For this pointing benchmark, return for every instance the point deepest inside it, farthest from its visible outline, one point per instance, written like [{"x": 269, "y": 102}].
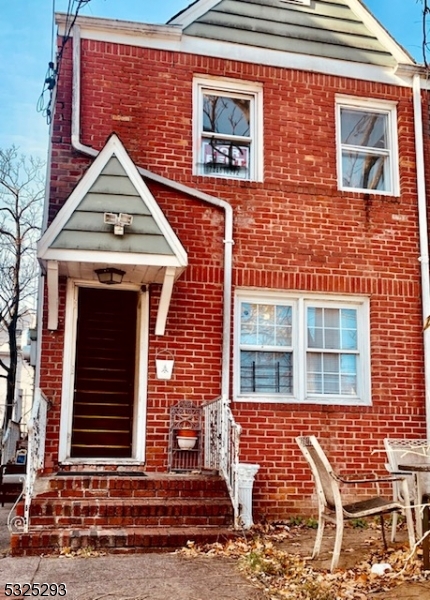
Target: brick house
[{"x": 253, "y": 173}]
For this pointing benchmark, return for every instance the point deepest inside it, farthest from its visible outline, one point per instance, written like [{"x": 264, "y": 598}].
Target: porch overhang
[
  {"x": 138, "y": 271},
  {"x": 112, "y": 220}
]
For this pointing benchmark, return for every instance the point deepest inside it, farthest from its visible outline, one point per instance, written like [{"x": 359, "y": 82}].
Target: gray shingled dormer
[{"x": 324, "y": 28}]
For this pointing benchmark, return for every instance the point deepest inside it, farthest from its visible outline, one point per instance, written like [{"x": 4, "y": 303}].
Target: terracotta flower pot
[
  {"x": 189, "y": 433},
  {"x": 187, "y": 438}
]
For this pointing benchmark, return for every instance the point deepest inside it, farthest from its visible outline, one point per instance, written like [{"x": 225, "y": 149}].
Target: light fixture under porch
[{"x": 110, "y": 276}]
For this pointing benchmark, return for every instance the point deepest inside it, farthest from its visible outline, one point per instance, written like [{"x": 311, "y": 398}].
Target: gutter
[
  {"x": 423, "y": 233},
  {"x": 179, "y": 187}
]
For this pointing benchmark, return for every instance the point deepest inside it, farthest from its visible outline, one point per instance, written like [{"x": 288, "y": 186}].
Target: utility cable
[{"x": 53, "y": 72}]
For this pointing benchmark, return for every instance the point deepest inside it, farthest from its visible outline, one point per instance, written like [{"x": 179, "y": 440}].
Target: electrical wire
[{"x": 44, "y": 102}]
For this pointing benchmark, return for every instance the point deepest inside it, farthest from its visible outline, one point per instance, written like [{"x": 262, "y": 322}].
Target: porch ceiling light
[{"x": 110, "y": 275}]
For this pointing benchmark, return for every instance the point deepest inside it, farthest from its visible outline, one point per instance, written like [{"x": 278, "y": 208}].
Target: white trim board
[{"x": 95, "y": 29}]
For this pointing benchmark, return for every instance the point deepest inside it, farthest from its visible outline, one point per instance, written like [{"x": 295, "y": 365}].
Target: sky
[{"x": 26, "y": 36}]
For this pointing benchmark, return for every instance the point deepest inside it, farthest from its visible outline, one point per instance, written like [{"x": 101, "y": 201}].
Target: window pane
[
  {"x": 284, "y": 326},
  {"x": 323, "y": 328},
  {"x": 226, "y": 115},
  {"x": 365, "y": 171},
  {"x": 332, "y": 374},
  {"x": 349, "y": 329},
  {"x": 265, "y": 325},
  {"x": 315, "y": 327},
  {"x": 225, "y": 157},
  {"x": 348, "y": 367},
  {"x": 331, "y": 339},
  {"x": 366, "y": 129},
  {"x": 266, "y": 372},
  {"x": 331, "y": 363},
  {"x": 248, "y": 323},
  {"x": 330, "y": 384}
]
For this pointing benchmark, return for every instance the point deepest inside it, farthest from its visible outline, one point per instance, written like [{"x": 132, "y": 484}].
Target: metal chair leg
[{"x": 426, "y": 541}]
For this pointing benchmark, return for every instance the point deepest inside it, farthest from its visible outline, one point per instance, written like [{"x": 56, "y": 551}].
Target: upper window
[
  {"x": 227, "y": 127},
  {"x": 367, "y": 146},
  {"x": 301, "y": 349}
]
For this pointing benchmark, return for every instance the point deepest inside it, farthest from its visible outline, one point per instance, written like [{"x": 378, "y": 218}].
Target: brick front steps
[{"x": 118, "y": 513}]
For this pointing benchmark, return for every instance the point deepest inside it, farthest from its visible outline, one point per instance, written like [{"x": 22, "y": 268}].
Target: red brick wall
[{"x": 294, "y": 231}]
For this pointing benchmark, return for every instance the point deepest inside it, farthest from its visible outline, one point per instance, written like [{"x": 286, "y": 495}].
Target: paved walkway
[
  {"x": 123, "y": 577},
  {"x": 142, "y": 577},
  {"x": 135, "y": 577}
]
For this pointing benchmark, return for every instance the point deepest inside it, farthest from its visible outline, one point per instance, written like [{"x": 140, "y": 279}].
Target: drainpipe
[
  {"x": 223, "y": 204},
  {"x": 423, "y": 233}
]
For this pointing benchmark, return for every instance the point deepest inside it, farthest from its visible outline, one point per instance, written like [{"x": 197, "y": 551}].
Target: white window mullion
[{"x": 300, "y": 344}]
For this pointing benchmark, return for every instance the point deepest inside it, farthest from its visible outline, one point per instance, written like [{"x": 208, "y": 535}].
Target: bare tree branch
[{"x": 21, "y": 196}]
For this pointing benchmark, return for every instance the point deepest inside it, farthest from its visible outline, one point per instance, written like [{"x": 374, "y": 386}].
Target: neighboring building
[
  {"x": 25, "y": 373},
  {"x": 255, "y": 170}
]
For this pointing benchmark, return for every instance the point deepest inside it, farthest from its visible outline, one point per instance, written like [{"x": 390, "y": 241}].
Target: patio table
[{"x": 425, "y": 499}]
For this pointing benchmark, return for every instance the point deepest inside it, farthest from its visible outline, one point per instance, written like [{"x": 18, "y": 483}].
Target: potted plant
[{"x": 187, "y": 438}]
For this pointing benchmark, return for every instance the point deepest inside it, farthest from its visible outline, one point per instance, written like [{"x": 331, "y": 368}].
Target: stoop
[{"x": 125, "y": 513}]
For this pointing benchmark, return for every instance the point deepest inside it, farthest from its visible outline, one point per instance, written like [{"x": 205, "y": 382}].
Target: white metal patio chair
[
  {"x": 413, "y": 452},
  {"x": 330, "y": 504}
]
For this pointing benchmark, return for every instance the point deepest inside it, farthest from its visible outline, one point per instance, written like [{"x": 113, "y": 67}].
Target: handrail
[
  {"x": 221, "y": 451},
  {"x": 35, "y": 458},
  {"x": 10, "y": 439}
]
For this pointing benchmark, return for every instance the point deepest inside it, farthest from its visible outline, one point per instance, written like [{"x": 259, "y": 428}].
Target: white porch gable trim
[
  {"x": 163, "y": 268},
  {"x": 52, "y": 277},
  {"x": 166, "y": 294}
]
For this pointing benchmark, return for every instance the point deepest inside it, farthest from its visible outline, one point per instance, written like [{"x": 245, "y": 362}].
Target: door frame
[{"x": 141, "y": 375}]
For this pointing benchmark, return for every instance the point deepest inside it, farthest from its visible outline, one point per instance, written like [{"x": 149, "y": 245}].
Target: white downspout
[
  {"x": 423, "y": 232},
  {"x": 228, "y": 211}
]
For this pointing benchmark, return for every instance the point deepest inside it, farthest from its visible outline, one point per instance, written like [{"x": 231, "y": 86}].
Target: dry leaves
[
  {"x": 86, "y": 552},
  {"x": 289, "y": 575}
]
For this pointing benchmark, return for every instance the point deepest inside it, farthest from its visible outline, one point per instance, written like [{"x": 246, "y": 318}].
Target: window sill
[{"x": 309, "y": 401}]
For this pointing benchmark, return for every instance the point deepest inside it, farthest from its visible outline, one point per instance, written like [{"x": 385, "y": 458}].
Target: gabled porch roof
[{"x": 83, "y": 236}]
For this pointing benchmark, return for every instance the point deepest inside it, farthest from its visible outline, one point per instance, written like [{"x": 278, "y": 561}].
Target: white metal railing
[
  {"x": 35, "y": 458},
  {"x": 221, "y": 451},
  {"x": 10, "y": 439}
]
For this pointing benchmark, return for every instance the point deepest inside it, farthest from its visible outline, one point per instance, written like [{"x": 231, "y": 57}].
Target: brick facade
[{"x": 294, "y": 231}]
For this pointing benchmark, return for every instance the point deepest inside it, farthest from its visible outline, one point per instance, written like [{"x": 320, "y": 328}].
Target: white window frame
[
  {"x": 233, "y": 87},
  {"x": 300, "y": 302},
  {"x": 387, "y": 108}
]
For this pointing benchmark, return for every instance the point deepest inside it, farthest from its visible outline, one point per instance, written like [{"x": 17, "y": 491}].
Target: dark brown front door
[{"x": 104, "y": 374}]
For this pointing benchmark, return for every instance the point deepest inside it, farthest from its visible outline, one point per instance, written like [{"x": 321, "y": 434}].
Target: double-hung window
[
  {"x": 227, "y": 129},
  {"x": 367, "y": 146},
  {"x": 301, "y": 348}
]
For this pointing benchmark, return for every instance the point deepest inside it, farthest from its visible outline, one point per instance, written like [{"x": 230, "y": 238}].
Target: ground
[{"x": 270, "y": 563}]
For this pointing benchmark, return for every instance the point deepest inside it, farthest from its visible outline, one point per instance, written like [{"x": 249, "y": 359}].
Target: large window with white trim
[
  {"x": 227, "y": 129},
  {"x": 367, "y": 148},
  {"x": 301, "y": 348}
]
